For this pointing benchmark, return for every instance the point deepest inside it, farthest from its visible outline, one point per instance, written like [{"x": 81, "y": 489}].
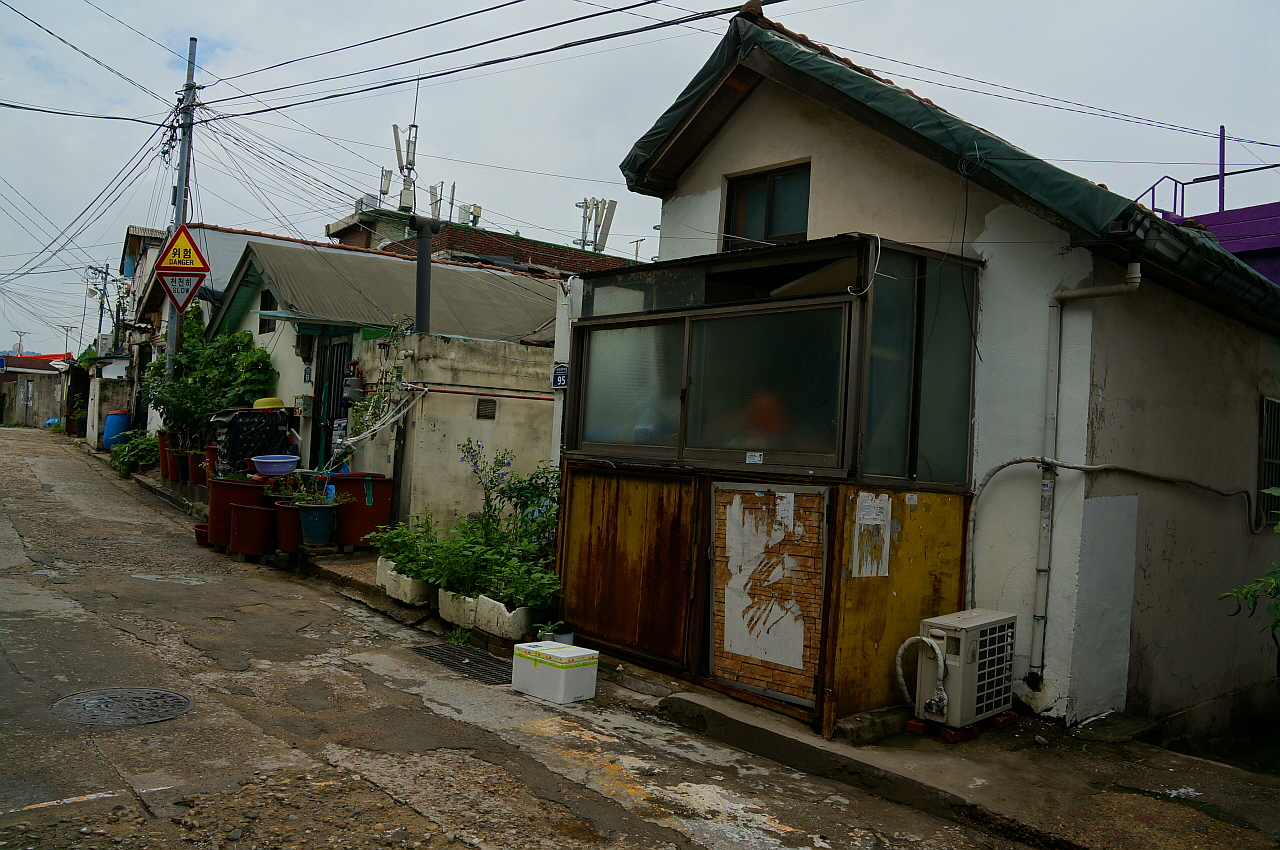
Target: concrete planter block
[
  {"x": 458, "y": 609},
  {"x": 410, "y": 591},
  {"x": 493, "y": 617}
]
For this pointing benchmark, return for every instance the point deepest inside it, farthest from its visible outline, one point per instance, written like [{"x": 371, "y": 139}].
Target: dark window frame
[
  {"x": 1268, "y": 459},
  {"x": 266, "y": 324},
  {"x": 734, "y": 186},
  {"x": 833, "y": 464}
]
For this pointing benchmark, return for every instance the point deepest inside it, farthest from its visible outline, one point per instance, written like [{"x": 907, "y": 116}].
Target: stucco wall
[
  {"x": 34, "y": 405},
  {"x": 105, "y": 395},
  {"x": 1176, "y": 391},
  {"x": 860, "y": 180},
  {"x": 459, "y": 372}
]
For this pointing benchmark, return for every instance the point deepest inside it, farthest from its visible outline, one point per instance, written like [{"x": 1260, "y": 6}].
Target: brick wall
[{"x": 777, "y": 561}]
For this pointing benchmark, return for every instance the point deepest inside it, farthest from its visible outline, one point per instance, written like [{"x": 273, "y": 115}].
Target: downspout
[{"x": 1048, "y": 472}]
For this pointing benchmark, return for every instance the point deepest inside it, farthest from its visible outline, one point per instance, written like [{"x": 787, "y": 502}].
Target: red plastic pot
[
  {"x": 222, "y": 495},
  {"x": 210, "y": 462},
  {"x": 288, "y": 528},
  {"x": 202, "y": 534},
  {"x": 251, "y": 529},
  {"x": 162, "y": 440},
  {"x": 195, "y": 472},
  {"x": 370, "y": 505}
]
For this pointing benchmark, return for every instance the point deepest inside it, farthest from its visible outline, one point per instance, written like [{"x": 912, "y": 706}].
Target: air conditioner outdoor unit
[{"x": 978, "y": 682}]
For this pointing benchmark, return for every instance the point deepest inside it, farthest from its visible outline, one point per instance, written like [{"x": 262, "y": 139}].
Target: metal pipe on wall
[{"x": 426, "y": 227}]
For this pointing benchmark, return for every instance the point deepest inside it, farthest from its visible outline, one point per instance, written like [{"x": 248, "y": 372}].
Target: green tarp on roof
[{"x": 1085, "y": 204}]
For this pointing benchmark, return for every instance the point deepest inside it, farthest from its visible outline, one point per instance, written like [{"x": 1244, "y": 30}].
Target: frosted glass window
[
  {"x": 772, "y": 206},
  {"x": 632, "y": 385},
  {"x": 767, "y": 382},
  {"x": 889, "y": 367},
  {"x": 946, "y": 362}
]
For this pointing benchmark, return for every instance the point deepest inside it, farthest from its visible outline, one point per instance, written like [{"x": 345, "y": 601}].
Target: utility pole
[
  {"x": 20, "y": 334},
  {"x": 180, "y": 195},
  {"x": 66, "y": 336}
]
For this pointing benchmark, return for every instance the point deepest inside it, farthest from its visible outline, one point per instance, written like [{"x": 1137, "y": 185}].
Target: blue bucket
[{"x": 317, "y": 523}]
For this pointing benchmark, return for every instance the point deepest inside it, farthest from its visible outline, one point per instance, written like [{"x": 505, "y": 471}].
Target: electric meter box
[
  {"x": 978, "y": 647},
  {"x": 556, "y": 672}
]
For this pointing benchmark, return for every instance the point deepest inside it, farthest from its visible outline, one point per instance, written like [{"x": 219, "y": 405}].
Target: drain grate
[
  {"x": 468, "y": 661},
  {"x": 122, "y": 706}
]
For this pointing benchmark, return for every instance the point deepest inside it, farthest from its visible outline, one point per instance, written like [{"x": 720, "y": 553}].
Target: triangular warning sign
[
  {"x": 182, "y": 255},
  {"x": 181, "y": 287}
]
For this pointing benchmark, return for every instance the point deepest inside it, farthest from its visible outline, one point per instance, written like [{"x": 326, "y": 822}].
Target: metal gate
[{"x": 331, "y": 359}]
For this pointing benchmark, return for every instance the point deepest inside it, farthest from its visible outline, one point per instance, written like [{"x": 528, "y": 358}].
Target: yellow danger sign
[{"x": 181, "y": 254}]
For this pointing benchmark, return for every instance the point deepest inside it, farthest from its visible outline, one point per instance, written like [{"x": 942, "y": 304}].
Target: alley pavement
[{"x": 313, "y": 725}]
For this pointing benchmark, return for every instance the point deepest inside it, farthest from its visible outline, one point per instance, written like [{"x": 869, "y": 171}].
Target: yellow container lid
[{"x": 268, "y": 402}]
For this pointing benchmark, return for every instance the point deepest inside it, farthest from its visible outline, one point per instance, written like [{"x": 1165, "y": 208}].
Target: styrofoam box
[{"x": 555, "y": 672}]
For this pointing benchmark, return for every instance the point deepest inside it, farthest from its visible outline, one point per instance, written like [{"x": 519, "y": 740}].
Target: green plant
[
  {"x": 1266, "y": 588},
  {"x": 135, "y": 450},
  {"x": 320, "y": 497},
  {"x": 458, "y": 637},
  {"x": 541, "y": 629},
  {"x": 57, "y": 428},
  {"x": 408, "y": 543}
]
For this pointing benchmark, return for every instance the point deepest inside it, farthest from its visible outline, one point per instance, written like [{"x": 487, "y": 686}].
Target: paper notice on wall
[
  {"x": 869, "y": 548},
  {"x": 784, "y": 510}
]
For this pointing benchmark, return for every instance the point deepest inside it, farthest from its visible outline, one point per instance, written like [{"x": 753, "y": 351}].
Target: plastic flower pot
[
  {"x": 370, "y": 505},
  {"x": 178, "y": 464},
  {"x": 251, "y": 529},
  {"x": 222, "y": 495},
  {"x": 317, "y": 523},
  {"x": 288, "y": 527},
  {"x": 162, "y": 442},
  {"x": 195, "y": 470},
  {"x": 210, "y": 462},
  {"x": 202, "y": 534},
  {"x": 275, "y": 464}
]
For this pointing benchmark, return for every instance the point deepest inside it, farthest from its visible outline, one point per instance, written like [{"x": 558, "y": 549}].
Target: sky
[{"x": 528, "y": 139}]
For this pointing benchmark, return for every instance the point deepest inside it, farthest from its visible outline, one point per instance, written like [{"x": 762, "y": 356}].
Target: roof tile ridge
[{"x": 338, "y": 245}]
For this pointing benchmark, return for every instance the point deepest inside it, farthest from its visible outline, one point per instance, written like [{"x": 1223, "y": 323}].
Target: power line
[
  {"x": 48, "y": 110},
  {"x": 448, "y": 52},
  {"x": 93, "y": 59},
  {"x": 369, "y": 41}
]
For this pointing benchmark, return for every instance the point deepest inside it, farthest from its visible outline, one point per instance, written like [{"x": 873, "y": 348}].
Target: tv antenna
[{"x": 405, "y": 160}]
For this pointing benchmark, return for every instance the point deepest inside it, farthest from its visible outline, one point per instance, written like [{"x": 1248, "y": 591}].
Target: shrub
[{"x": 135, "y": 450}]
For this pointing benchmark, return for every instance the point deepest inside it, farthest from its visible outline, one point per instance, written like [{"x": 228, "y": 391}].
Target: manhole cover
[
  {"x": 469, "y": 661},
  {"x": 122, "y": 706}
]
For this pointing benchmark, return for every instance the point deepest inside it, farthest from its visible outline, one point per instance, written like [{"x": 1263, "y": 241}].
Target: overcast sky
[{"x": 526, "y": 140}]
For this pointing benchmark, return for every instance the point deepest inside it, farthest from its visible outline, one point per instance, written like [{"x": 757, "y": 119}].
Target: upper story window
[
  {"x": 266, "y": 302},
  {"x": 771, "y": 206}
]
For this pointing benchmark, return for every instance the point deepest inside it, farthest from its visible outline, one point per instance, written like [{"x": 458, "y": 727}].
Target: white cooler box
[{"x": 556, "y": 672}]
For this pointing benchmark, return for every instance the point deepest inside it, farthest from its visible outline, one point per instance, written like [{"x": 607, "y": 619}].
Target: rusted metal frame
[
  {"x": 683, "y": 145},
  {"x": 832, "y": 614},
  {"x": 743, "y": 259},
  {"x": 698, "y": 634}
]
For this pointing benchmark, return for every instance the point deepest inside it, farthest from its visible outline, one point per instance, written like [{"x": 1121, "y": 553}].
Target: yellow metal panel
[{"x": 877, "y": 613}]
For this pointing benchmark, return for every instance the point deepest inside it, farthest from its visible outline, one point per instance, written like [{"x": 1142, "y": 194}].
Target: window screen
[
  {"x": 946, "y": 345},
  {"x": 890, "y": 365},
  {"x": 633, "y": 383},
  {"x": 1269, "y": 471}
]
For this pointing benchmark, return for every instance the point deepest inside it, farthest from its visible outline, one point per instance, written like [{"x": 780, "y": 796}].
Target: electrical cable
[
  {"x": 27, "y": 108},
  {"x": 369, "y": 41},
  {"x": 487, "y": 63},
  {"x": 438, "y": 54}
]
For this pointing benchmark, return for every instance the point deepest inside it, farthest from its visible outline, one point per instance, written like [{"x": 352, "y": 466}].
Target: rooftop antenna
[
  {"x": 597, "y": 218},
  {"x": 405, "y": 160},
  {"x": 17, "y": 349}
]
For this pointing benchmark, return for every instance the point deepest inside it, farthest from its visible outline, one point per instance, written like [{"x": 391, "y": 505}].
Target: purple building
[{"x": 1251, "y": 233}]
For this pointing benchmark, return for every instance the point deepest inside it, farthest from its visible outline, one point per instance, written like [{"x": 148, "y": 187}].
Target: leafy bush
[
  {"x": 1251, "y": 595},
  {"x": 135, "y": 450},
  {"x": 208, "y": 375},
  {"x": 507, "y": 552}
]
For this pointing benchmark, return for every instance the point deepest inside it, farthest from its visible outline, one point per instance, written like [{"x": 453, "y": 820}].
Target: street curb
[
  {"x": 789, "y": 742},
  {"x": 370, "y": 595}
]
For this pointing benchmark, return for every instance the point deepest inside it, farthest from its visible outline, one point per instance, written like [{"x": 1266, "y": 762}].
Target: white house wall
[
  {"x": 1176, "y": 391},
  {"x": 860, "y": 180},
  {"x": 279, "y": 343},
  {"x": 462, "y": 371}
]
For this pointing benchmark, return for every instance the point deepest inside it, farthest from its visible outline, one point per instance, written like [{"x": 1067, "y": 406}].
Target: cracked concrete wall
[{"x": 1176, "y": 390}]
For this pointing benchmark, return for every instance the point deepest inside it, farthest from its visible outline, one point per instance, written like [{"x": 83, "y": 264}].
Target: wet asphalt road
[{"x": 313, "y": 725}]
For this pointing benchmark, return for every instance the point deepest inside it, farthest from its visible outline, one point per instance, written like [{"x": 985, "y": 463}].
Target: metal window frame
[
  {"x": 1268, "y": 459},
  {"x": 835, "y": 465},
  {"x": 733, "y": 186}
]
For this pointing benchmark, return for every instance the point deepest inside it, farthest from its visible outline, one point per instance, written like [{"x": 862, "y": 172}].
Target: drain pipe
[
  {"x": 426, "y": 228},
  {"x": 1048, "y": 472}
]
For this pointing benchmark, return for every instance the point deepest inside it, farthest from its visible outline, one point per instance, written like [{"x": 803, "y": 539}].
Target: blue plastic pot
[{"x": 317, "y": 523}]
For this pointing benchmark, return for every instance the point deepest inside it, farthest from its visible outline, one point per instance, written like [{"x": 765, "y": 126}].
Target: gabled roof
[
  {"x": 370, "y": 289},
  {"x": 755, "y": 49}
]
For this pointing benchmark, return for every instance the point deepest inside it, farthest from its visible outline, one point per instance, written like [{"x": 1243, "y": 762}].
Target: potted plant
[
  {"x": 317, "y": 512},
  {"x": 556, "y": 631},
  {"x": 403, "y": 550}
]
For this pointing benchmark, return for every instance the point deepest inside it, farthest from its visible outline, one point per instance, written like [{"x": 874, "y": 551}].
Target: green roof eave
[{"x": 1084, "y": 204}]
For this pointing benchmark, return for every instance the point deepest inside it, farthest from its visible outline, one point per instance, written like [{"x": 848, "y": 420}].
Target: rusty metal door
[
  {"x": 626, "y": 557},
  {"x": 768, "y": 572}
]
